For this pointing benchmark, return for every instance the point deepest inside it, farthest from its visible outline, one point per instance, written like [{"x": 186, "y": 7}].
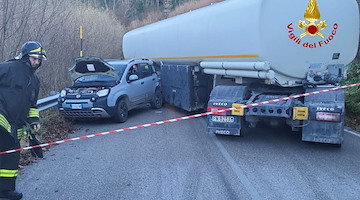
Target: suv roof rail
[{"x": 134, "y": 59}]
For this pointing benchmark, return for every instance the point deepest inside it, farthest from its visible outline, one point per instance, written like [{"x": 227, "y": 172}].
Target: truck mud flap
[
  {"x": 223, "y": 97},
  {"x": 326, "y": 117}
]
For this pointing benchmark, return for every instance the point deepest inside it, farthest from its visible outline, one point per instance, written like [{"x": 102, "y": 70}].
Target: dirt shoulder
[{"x": 54, "y": 127}]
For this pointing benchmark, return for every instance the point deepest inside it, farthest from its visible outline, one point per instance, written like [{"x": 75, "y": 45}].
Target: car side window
[
  {"x": 133, "y": 70},
  {"x": 145, "y": 70}
]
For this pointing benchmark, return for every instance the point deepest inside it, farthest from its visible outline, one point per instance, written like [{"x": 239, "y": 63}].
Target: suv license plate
[
  {"x": 223, "y": 119},
  {"x": 76, "y": 106}
]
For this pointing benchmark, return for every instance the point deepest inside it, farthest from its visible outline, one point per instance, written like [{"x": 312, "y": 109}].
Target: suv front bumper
[{"x": 85, "y": 108}]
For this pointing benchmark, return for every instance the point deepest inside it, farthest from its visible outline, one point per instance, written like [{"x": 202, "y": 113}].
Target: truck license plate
[
  {"x": 223, "y": 119},
  {"x": 76, "y": 106}
]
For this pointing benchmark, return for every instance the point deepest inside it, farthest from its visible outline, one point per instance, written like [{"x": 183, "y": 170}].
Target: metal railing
[{"x": 48, "y": 102}]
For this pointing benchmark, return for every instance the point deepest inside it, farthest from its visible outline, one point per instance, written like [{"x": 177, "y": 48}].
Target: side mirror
[{"x": 133, "y": 77}]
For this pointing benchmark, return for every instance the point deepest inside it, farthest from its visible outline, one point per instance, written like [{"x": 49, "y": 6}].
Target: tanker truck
[{"x": 239, "y": 52}]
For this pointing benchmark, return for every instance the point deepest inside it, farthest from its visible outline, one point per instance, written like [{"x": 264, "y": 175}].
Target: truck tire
[
  {"x": 121, "y": 113},
  {"x": 157, "y": 100}
]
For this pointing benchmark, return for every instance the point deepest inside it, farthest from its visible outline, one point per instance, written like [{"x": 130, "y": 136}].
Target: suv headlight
[
  {"x": 62, "y": 93},
  {"x": 102, "y": 93}
]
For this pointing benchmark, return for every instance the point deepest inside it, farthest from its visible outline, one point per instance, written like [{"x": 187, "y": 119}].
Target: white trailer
[{"x": 253, "y": 51}]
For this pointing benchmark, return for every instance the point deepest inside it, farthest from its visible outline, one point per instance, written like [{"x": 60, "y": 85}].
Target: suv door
[
  {"x": 135, "y": 92},
  {"x": 149, "y": 78}
]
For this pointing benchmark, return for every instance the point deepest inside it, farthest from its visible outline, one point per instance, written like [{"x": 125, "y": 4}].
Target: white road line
[
  {"x": 352, "y": 132},
  {"x": 250, "y": 188}
]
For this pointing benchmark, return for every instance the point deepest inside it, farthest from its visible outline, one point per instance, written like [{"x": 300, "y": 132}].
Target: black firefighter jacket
[{"x": 19, "y": 89}]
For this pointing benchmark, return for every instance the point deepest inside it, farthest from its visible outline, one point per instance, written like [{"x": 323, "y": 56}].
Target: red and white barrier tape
[{"x": 179, "y": 119}]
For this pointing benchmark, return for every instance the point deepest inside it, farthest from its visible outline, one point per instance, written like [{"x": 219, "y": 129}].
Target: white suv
[{"x": 109, "y": 88}]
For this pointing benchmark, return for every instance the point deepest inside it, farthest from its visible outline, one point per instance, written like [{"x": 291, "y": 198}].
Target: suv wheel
[
  {"x": 157, "y": 99},
  {"x": 121, "y": 114}
]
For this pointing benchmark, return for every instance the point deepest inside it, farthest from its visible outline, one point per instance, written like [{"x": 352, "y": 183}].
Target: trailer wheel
[
  {"x": 121, "y": 114},
  {"x": 157, "y": 100}
]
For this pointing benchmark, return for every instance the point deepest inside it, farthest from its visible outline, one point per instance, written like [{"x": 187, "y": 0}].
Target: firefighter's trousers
[{"x": 9, "y": 163}]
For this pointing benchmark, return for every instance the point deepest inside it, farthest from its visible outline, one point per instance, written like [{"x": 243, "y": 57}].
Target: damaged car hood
[{"x": 84, "y": 66}]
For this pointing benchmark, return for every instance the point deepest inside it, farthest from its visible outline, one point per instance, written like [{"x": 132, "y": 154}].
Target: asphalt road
[{"x": 181, "y": 161}]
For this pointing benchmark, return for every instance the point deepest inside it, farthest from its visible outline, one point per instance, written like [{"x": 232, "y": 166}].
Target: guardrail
[{"x": 48, "y": 102}]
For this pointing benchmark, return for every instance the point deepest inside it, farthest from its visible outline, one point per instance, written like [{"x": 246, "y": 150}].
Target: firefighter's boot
[{"x": 12, "y": 195}]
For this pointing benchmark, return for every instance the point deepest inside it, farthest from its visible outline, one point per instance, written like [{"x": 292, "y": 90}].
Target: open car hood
[{"x": 91, "y": 65}]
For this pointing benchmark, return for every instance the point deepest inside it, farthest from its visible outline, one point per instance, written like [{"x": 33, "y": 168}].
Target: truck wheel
[
  {"x": 121, "y": 114},
  {"x": 157, "y": 99}
]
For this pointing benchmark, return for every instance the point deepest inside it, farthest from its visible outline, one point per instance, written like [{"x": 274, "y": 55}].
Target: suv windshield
[
  {"x": 119, "y": 68},
  {"x": 100, "y": 79},
  {"x": 95, "y": 80}
]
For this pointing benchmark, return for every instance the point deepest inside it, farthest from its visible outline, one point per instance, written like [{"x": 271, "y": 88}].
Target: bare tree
[
  {"x": 7, "y": 8},
  {"x": 55, "y": 23}
]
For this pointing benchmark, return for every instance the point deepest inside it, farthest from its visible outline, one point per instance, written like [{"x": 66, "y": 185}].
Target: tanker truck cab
[{"x": 257, "y": 51}]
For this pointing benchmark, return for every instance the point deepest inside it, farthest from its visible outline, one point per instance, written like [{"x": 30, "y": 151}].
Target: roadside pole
[{"x": 81, "y": 41}]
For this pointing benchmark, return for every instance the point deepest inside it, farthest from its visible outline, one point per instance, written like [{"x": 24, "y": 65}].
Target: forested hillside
[{"x": 128, "y": 10}]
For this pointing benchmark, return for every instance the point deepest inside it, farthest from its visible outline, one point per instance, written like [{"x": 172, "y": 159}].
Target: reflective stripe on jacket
[
  {"x": 34, "y": 112},
  {"x": 4, "y": 123},
  {"x": 9, "y": 173}
]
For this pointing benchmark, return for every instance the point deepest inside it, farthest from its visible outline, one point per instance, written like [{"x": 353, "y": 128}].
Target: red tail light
[
  {"x": 213, "y": 109},
  {"x": 325, "y": 116}
]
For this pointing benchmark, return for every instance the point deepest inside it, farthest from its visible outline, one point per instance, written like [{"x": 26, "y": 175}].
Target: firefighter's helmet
[{"x": 33, "y": 49}]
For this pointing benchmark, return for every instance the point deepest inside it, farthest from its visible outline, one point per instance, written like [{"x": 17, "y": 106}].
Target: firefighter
[{"x": 19, "y": 89}]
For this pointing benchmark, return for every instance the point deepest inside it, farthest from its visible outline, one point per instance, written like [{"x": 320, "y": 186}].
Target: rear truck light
[
  {"x": 325, "y": 116},
  {"x": 214, "y": 109},
  {"x": 238, "y": 111}
]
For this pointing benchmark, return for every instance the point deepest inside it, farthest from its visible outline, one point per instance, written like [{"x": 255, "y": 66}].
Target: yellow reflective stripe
[
  {"x": 4, "y": 123},
  {"x": 34, "y": 112},
  {"x": 205, "y": 57},
  {"x": 36, "y": 50},
  {"x": 8, "y": 173},
  {"x": 20, "y": 133}
]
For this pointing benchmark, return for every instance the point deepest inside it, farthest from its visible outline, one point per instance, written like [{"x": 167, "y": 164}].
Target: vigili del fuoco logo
[{"x": 312, "y": 27}]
